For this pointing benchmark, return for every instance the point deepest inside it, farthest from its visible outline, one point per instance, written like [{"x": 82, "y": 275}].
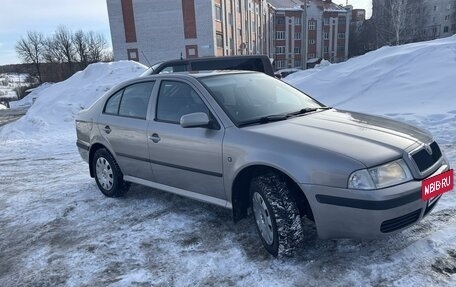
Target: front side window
[
  {"x": 135, "y": 100},
  {"x": 250, "y": 97},
  {"x": 176, "y": 99}
]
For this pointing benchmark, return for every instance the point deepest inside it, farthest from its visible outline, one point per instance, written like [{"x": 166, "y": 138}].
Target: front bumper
[{"x": 362, "y": 214}]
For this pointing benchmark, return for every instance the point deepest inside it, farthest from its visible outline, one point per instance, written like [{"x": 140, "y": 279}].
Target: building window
[
  {"x": 133, "y": 54},
  {"x": 280, "y": 64},
  {"x": 230, "y": 18},
  {"x": 326, "y": 36},
  {"x": 219, "y": 38},
  {"x": 297, "y": 50},
  {"x": 453, "y": 27},
  {"x": 326, "y": 49},
  {"x": 311, "y": 25},
  {"x": 297, "y": 20},
  {"x": 311, "y": 41},
  {"x": 218, "y": 13},
  {"x": 297, "y": 35},
  {"x": 435, "y": 8},
  {"x": 342, "y": 20},
  {"x": 447, "y": 17},
  {"x": 280, "y": 35},
  {"x": 326, "y": 21},
  {"x": 310, "y": 55},
  {"x": 341, "y": 35},
  {"x": 340, "y": 48},
  {"x": 280, "y": 50},
  {"x": 445, "y": 29},
  {"x": 297, "y": 64},
  {"x": 280, "y": 20}
]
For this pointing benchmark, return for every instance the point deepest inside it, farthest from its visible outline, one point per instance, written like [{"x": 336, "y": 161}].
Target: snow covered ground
[
  {"x": 56, "y": 228},
  {"x": 8, "y": 82}
]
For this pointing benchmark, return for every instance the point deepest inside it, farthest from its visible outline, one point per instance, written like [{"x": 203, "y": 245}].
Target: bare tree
[
  {"x": 399, "y": 15},
  {"x": 81, "y": 43},
  {"x": 51, "y": 52},
  {"x": 30, "y": 50},
  {"x": 96, "y": 45},
  {"x": 397, "y": 21},
  {"x": 64, "y": 44}
]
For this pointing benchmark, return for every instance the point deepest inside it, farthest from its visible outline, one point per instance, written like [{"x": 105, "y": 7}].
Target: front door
[{"x": 185, "y": 158}]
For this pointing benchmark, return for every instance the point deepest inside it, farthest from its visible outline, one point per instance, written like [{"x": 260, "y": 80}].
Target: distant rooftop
[
  {"x": 329, "y": 6},
  {"x": 286, "y": 4}
]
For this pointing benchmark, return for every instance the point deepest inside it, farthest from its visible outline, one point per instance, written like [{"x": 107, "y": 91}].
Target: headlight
[{"x": 389, "y": 174}]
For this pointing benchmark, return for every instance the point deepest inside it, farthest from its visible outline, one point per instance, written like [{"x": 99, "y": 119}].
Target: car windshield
[{"x": 250, "y": 98}]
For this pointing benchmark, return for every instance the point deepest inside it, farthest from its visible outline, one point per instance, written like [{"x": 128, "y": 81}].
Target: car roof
[
  {"x": 217, "y": 58},
  {"x": 201, "y": 74}
]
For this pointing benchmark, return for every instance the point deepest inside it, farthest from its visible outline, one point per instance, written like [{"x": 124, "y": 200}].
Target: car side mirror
[{"x": 195, "y": 120}]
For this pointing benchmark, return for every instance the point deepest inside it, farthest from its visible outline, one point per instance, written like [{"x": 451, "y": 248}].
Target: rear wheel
[
  {"x": 276, "y": 214},
  {"x": 108, "y": 175}
]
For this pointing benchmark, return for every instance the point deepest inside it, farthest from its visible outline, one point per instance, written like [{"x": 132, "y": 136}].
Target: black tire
[
  {"x": 282, "y": 210},
  {"x": 110, "y": 181}
]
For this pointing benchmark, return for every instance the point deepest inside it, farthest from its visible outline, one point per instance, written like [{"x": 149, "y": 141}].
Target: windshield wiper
[
  {"x": 307, "y": 110},
  {"x": 263, "y": 120}
]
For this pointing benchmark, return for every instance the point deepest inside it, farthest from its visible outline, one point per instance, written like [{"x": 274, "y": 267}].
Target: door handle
[
  {"x": 155, "y": 138},
  {"x": 107, "y": 129}
]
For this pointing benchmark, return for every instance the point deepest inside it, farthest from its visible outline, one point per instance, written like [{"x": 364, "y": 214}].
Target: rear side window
[
  {"x": 229, "y": 64},
  {"x": 112, "y": 106},
  {"x": 135, "y": 100},
  {"x": 131, "y": 101}
]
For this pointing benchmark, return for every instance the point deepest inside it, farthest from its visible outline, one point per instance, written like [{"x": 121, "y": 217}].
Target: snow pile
[
  {"x": 413, "y": 82},
  {"x": 57, "y": 105},
  {"x": 27, "y": 101},
  {"x": 2, "y": 107}
]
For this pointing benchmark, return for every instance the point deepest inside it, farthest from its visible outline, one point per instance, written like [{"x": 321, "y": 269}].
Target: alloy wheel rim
[
  {"x": 262, "y": 218},
  {"x": 104, "y": 173}
]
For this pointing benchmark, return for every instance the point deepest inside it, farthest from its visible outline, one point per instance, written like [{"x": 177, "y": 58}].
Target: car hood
[{"x": 372, "y": 140}]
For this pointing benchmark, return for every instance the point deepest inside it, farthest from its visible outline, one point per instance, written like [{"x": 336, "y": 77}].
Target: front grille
[
  {"x": 400, "y": 222},
  {"x": 424, "y": 160}
]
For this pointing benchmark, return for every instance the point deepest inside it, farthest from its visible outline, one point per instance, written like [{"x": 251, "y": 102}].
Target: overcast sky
[
  {"x": 358, "y": 4},
  {"x": 20, "y": 16}
]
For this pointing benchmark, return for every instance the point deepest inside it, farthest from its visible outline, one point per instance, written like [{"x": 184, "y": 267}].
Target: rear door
[
  {"x": 185, "y": 158},
  {"x": 123, "y": 124}
]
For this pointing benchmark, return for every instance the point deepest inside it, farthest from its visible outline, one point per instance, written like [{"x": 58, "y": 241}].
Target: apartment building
[
  {"x": 420, "y": 20},
  {"x": 288, "y": 33},
  {"x": 154, "y": 30},
  {"x": 438, "y": 19},
  {"x": 328, "y": 31}
]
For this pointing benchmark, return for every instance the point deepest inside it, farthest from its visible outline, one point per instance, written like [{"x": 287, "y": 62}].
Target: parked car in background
[
  {"x": 244, "y": 140},
  {"x": 257, "y": 63}
]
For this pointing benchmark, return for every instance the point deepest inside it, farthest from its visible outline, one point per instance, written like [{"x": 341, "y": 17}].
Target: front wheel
[
  {"x": 108, "y": 175},
  {"x": 276, "y": 214}
]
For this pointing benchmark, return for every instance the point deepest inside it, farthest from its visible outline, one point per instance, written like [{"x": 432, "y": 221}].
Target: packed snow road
[{"x": 57, "y": 229}]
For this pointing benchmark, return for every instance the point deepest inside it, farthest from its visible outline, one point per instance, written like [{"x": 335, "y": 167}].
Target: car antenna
[{"x": 145, "y": 57}]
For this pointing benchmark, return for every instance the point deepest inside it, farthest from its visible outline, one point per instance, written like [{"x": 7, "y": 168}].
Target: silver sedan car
[{"x": 246, "y": 141}]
